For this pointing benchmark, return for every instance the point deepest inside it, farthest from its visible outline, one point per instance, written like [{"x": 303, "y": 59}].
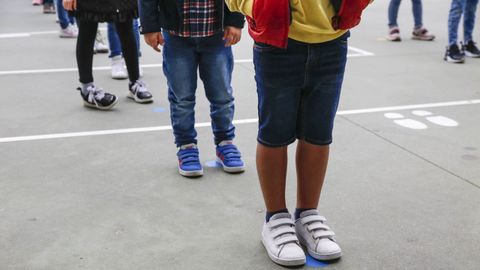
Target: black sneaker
[
  {"x": 138, "y": 92},
  {"x": 98, "y": 99},
  {"x": 471, "y": 49},
  {"x": 454, "y": 55}
]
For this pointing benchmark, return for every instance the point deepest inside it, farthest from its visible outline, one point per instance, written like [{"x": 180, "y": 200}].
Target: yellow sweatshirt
[{"x": 311, "y": 19}]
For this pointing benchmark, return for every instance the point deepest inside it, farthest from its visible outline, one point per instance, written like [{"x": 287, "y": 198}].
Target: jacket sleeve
[
  {"x": 243, "y": 6},
  {"x": 149, "y": 16},
  {"x": 235, "y": 19}
]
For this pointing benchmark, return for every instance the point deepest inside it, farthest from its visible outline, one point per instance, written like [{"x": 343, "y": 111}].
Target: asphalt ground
[{"x": 84, "y": 189}]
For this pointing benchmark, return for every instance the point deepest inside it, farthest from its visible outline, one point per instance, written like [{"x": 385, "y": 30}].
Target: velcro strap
[
  {"x": 280, "y": 222},
  {"x": 286, "y": 240},
  {"x": 317, "y": 226},
  {"x": 313, "y": 218},
  {"x": 283, "y": 230},
  {"x": 323, "y": 234}
]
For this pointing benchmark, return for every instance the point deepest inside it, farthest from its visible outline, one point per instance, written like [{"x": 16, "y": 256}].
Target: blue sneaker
[
  {"x": 230, "y": 158},
  {"x": 189, "y": 161}
]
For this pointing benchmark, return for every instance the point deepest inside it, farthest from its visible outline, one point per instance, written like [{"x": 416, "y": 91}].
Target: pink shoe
[
  {"x": 37, "y": 2},
  {"x": 394, "y": 34},
  {"x": 422, "y": 34}
]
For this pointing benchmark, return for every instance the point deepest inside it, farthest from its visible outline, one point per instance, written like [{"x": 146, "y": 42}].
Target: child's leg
[
  {"x": 272, "y": 174},
  {"x": 469, "y": 19},
  {"x": 180, "y": 64},
  {"x": 280, "y": 77},
  {"x": 311, "y": 163},
  {"x": 393, "y": 13},
  {"x": 216, "y": 67},
  {"x": 85, "y": 41},
  {"x": 129, "y": 48},
  {"x": 113, "y": 41},
  {"x": 319, "y": 104},
  {"x": 417, "y": 13},
  {"x": 62, "y": 15},
  {"x": 456, "y": 10}
]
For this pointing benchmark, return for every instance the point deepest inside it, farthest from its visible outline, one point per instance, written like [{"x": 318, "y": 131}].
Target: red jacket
[{"x": 271, "y": 19}]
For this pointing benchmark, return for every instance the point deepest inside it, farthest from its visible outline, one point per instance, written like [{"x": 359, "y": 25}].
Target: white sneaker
[
  {"x": 316, "y": 236},
  {"x": 281, "y": 242},
  {"x": 100, "y": 45},
  {"x": 119, "y": 71},
  {"x": 69, "y": 32}
]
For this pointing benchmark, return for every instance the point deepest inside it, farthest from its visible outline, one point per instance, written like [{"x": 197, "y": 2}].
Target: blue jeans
[
  {"x": 393, "y": 13},
  {"x": 114, "y": 40},
  {"x": 63, "y": 17},
  {"x": 468, "y": 9},
  {"x": 298, "y": 90},
  {"x": 182, "y": 57}
]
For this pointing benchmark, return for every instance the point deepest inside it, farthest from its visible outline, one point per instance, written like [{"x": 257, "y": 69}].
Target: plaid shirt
[{"x": 198, "y": 19}]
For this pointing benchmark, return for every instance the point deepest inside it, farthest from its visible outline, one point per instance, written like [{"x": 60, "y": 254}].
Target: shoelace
[
  {"x": 230, "y": 152},
  {"x": 283, "y": 231},
  {"x": 316, "y": 225},
  {"x": 95, "y": 94},
  {"x": 99, "y": 38},
  {"x": 139, "y": 87},
  {"x": 188, "y": 155}
]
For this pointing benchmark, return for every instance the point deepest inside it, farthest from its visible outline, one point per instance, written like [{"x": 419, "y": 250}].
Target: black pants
[{"x": 86, "y": 41}]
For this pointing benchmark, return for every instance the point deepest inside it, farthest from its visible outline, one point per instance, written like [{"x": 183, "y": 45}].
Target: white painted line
[
  {"x": 360, "y": 51},
  {"x": 62, "y": 70},
  {"x": 108, "y": 132},
  {"x": 15, "y": 35},
  {"x": 208, "y": 124},
  {"x": 38, "y": 33}
]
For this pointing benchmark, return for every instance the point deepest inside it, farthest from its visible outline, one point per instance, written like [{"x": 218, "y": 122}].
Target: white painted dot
[
  {"x": 442, "y": 121},
  {"x": 410, "y": 123},
  {"x": 421, "y": 113}
]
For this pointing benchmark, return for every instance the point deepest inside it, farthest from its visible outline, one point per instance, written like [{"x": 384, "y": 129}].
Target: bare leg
[
  {"x": 272, "y": 172},
  {"x": 311, "y": 163}
]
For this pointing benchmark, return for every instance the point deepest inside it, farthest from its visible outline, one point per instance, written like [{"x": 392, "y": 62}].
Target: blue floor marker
[
  {"x": 159, "y": 110},
  {"x": 311, "y": 262},
  {"x": 212, "y": 164}
]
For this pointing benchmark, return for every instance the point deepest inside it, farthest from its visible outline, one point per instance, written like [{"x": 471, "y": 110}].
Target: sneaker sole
[
  {"x": 93, "y": 106},
  {"x": 450, "y": 60},
  {"x": 423, "y": 39},
  {"x": 190, "y": 174},
  {"x": 63, "y": 36},
  {"x": 131, "y": 96},
  {"x": 100, "y": 51},
  {"x": 118, "y": 77},
  {"x": 283, "y": 262},
  {"x": 321, "y": 257},
  {"x": 469, "y": 54},
  {"x": 231, "y": 169}
]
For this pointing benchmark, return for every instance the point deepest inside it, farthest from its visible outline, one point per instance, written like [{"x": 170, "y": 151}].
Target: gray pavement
[{"x": 398, "y": 198}]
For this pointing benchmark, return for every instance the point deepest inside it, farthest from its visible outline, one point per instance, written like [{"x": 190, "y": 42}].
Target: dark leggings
[{"x": 87, "y": 31}]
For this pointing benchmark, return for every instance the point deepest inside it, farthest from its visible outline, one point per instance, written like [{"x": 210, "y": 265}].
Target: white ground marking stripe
[
  {"x": 358, "y": 53},
  {"x": 30, "y": 34},
  {"x": 236, "y": 122}
]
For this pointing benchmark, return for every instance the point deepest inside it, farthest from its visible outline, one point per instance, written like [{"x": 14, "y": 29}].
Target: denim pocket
[{"x": 264, "y": 47}]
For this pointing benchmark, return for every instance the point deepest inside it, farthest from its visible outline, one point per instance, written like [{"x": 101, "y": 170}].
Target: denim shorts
[{"x": 298, "y": 90}]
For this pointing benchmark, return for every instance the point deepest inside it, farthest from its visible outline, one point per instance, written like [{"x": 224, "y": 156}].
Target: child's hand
[
  {"x": 154, "y": 40},
  {"x": 232, "y": 35},
  {"x": 70, "y": 4}
]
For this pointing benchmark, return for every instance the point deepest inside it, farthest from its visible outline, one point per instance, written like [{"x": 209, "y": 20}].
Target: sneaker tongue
[
  {"x": 280, "y": 215},
  {"x": 307, "y": 213}
]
